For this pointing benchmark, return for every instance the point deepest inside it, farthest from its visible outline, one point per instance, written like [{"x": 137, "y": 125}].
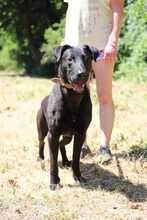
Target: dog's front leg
[
  {"x": 78, "y": 142},
  {"x": 54, "y": 148}
]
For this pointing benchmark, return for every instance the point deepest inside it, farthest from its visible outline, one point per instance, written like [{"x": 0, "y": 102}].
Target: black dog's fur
[{"x": 65, "y": 111}]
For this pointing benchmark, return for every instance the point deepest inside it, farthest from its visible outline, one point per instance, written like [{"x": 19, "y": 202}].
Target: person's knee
[{"x": 105, "y": 98}]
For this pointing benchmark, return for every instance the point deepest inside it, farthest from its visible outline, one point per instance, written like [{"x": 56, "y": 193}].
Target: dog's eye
[
  {"x": 70, "y": 59},
  {"x": 85, "y": 57}
]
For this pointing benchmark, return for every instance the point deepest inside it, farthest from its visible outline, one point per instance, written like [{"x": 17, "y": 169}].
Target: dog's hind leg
[
  {"x": 65, "y": 140},
  {"x": 85, "y": 149},
  {"x": 42, "y": 132}
]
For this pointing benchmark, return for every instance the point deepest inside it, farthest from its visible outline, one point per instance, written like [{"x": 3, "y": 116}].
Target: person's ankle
[
  {"x": 105, "y": 144},
  {"x": 104, "y": 154}
]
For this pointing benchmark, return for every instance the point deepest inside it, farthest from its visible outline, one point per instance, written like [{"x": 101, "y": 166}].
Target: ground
[{"x": 117, "y": 191}]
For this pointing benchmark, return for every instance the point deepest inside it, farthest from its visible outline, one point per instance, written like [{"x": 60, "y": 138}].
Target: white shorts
[{"x": 88, "y": 22}]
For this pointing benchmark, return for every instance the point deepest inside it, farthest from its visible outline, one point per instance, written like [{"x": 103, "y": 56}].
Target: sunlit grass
[{"x": 112, "y": 192}]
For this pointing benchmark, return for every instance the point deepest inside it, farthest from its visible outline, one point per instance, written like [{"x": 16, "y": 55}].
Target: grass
[{"x": 117, "y": 191}]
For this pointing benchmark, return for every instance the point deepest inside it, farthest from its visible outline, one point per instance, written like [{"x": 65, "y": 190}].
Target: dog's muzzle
[
  {"x": 79, "y": 81},
  {"x": 77, "y": 86}
]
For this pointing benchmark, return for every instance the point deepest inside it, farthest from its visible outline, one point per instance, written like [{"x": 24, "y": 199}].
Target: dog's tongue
[{"x": 78, "y": 87}]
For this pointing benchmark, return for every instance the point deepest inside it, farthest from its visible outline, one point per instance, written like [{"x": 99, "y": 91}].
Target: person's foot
[{"x": 104, "y": 155}]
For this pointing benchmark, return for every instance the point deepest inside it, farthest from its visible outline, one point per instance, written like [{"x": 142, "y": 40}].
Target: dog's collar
[{"x": 60, "y": 81}]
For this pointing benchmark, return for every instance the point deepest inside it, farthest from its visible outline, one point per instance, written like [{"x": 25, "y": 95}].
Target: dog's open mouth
[{"x": 78, "y": 87}]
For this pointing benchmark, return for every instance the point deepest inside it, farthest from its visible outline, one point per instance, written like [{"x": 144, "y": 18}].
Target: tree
[
  {"x": 27, "y": 21},
  {"x": 133, "y": 43}
]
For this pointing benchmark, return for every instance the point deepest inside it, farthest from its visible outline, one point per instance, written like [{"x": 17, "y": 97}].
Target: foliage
[
  {"x": 8, "y": 46},
  {"x": 28, "y": 20},
  {"x": 133, "y": 43},
  {"x": 53, "y": 36}
]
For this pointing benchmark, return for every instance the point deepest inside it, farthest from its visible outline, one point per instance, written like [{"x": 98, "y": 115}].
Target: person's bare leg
[{"x": 103, "y": 73}]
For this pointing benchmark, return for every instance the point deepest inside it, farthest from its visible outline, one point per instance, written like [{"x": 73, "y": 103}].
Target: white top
[{"x": 88, "y": 22}]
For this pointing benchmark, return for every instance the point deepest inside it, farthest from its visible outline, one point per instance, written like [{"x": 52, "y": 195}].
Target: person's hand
[{"x": 110, "y": 52}]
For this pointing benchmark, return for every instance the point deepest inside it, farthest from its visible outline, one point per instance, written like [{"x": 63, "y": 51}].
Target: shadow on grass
[
  {"x": 100, "y": 178},
  {"x": 136, "y": 152}
]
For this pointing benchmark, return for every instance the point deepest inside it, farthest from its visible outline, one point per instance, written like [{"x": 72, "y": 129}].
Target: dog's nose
[{"x": 80, "y": 74}]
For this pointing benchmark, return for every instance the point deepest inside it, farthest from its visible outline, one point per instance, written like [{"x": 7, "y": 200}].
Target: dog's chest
[
  {"x": 70, "y": 126},
  {"x": 67, "y": 111},
  {"x": 72, "y": 114},
  {"x": 73, "y": 102}
]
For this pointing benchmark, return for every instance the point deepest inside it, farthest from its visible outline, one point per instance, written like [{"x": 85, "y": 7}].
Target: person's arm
[
  {"x": 110, "y": 51},
  {"x": 117, "y": 10}
]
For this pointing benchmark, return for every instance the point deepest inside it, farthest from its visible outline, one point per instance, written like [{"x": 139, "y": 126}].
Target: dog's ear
[
  {"x": 58, "y": 51},
  {"x": 94, "y": 52}
]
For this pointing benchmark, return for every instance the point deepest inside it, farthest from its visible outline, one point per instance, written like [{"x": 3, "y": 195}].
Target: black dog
[{"x": 67, "y": 111}]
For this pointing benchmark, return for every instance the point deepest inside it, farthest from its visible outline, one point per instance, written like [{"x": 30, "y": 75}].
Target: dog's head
[{"x": 75, "y": 64}]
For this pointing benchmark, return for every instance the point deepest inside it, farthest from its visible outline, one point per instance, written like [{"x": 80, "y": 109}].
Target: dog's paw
[
  {"x": 80, "y": 179},
  {"x": 42, "y": 163},
  {"x": 85, "y": 151},
  {"x": 54, "y": 187},
  {"x": 39, "y": 159},
  {"x": 54, "y": 182},
  {"x": 66, "y": 164}
]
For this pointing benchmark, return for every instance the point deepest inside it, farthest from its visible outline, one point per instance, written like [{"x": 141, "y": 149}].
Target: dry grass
[{"x": 117, "y": 191}]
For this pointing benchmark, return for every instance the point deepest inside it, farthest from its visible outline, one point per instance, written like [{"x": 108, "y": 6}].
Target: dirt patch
[{"x": 117, "y": 191}]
